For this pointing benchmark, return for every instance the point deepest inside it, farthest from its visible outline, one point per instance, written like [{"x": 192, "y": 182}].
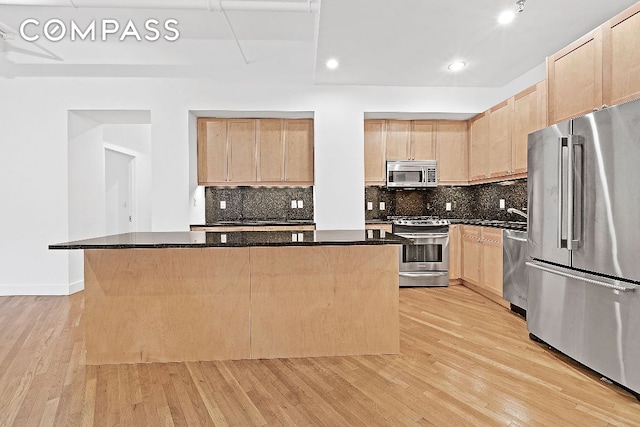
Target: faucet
[{"x": 516, "y": 211}]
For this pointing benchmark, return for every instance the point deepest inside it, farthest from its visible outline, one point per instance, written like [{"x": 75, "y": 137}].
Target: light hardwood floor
[{"x": 464, "y": 361}]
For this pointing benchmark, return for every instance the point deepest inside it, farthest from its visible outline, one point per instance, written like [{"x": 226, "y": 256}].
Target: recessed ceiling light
[
  {"x": 332, "y": 64},
  {"x": 506, "y": 17},
  {"x": 456, "y": 66}
]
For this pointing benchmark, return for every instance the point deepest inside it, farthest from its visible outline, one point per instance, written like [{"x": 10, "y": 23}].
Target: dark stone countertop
[
  {"x": 512, "y": 225},
  {"x": 204, "y": 239},
  {"x": 255, "y": 223}
]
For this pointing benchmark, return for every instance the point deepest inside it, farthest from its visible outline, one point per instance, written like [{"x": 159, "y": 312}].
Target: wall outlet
[
  {"x": 300, "y": 204},
  {"x": 369, "y": 234},
  {"x": 300, "y": 237},
  {"x": 383, "y": 206},
  {"x": 294, "y": 237},
  {"x": 294, "y": 205},
  {"x": 502, "y": 205},
  {"x": 369, "y": 206},
  {"x": 223, "y": 204},
  {"x": 223, "y": 238},
  {"x": 448, "y": 206}
]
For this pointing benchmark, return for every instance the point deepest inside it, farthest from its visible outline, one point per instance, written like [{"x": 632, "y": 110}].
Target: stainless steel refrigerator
[{"x": 584, "y": 240}]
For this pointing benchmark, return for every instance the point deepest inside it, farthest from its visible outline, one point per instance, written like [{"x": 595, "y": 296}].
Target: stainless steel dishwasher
[{"x": 515, "y": 279}]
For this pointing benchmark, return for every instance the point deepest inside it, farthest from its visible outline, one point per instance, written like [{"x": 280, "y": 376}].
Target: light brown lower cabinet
[
  {"x": 455, "y": 253},
  {"x": 387, "y": 228},
  {"x": 482, "y": 260}
]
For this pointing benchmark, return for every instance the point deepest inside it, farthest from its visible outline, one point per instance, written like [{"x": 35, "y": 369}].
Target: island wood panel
[
  {"x": 574, "y": 77},
  {"x": 212, "y": 150},
  {"x": 374, "y": 152},
  {"x": 324, "y": 300},
  {"x": 423, "y": 141},
  {"x": 164, "y": 305},
  {"x": 241, "y": 135},
  {"x": 621, "y": 51},
  {"x": 270, "y": 140}
]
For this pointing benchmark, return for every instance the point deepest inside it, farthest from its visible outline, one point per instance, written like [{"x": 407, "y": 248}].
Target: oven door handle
[{"x": 422, "y": 235}]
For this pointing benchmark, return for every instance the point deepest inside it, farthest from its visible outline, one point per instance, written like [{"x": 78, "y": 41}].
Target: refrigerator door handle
[
  {"x": 612, "y": 286},
  {"x": 562, "y": 142},
  {"x": 570, "y": 194}
]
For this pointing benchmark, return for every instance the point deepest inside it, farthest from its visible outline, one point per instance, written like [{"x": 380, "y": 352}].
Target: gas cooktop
[{"x": 418, "y": 220}]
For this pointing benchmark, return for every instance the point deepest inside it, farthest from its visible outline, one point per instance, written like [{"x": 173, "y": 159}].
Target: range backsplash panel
[
  {"x": 468, "y": 202},
  {"x": 257, "y": 203}
]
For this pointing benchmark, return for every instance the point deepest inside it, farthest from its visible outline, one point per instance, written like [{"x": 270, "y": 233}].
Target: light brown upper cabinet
[
  {"x": 374, "y": 152},
  {"x": 298, "y": 151},
  {"x": 255, "y": 151},
  {"x": 499, "y": 155},
  {"x": 452, "y": 153},
  {"x": 621, "y": 57},
  {"x": 423, "y": 140},
  {"x": 574, "y": 77},
  {"x": 270, "y": 137},
  {"x": 241, "y": 151},
  {"x": 478, "y": 147},
  {"x": 397, "y": 137},
  {"x": 212, "y": 150},
  {"x": 529, "y": 115},
  {"x": 444, "y": 141}
]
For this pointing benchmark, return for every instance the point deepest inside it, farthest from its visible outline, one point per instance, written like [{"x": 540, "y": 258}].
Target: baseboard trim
[
  {"x": 16, "y": 290},
  {"x": 76, "y": 287}
]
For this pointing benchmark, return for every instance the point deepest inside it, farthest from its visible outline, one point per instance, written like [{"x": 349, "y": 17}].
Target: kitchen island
[{"x": 188, "y": 296}]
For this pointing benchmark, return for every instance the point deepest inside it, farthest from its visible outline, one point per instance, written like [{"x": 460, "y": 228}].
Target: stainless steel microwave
[{"x": 412, "y": 174}]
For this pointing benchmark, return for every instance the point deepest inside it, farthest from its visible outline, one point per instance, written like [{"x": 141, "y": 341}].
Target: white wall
[{"x": 34, "y": 142}]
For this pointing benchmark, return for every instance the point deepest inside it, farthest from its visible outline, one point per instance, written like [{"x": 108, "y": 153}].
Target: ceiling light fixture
[
  {"x": 506, "y": 17},
  {"x": 332, "y": 64},
  {"x": 457, "y": 66}
]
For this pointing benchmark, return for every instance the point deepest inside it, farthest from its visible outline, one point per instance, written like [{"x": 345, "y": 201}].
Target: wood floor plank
[{"x": 464, "y": 360}]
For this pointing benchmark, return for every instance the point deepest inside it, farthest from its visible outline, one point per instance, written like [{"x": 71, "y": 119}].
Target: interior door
[
  {"x": 118, "y": 194},
  {"x": 607, "y": 182}
]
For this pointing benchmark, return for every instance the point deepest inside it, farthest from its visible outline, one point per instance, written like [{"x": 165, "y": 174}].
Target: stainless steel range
[{"x": 426, "y": 261}]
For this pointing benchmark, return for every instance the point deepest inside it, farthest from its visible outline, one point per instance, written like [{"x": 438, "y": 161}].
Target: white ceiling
[{"x": 378, "y": 42}]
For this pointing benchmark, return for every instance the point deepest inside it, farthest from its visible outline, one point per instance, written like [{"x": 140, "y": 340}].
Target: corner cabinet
[
  {"x": 452, "y": 152},
  {"x": 479, "y": 147},
  {"x": 255, "y": 151}
]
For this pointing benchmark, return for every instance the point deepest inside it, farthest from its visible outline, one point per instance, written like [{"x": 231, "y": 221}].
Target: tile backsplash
[
  {"x": 257, "y": 203},
  {"x": 469, "y": 202}
]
